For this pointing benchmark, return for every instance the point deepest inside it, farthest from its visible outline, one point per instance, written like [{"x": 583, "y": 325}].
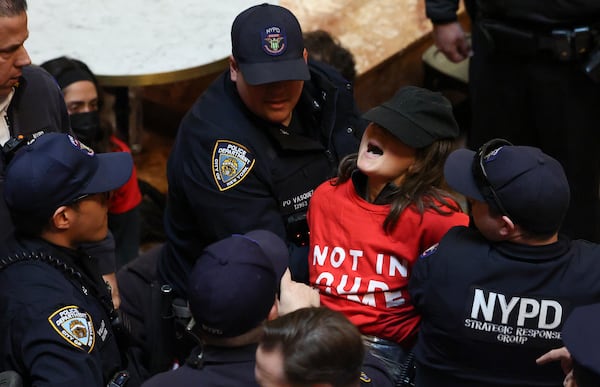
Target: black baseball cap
[
  {"x": 268, "y": 46},
  {"x": 234, "y": 282},
  {"x": 55, "y": 169},
  {"x": 416, "y": 116},
  {"x": 530, "y": 185}
]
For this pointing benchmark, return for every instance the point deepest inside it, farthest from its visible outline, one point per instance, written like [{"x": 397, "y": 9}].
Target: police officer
[
  {"x": 494, "y": 297},
  {"x": 247, "y": 156},
  {"x": 232, "y": 291},
  {"x": 57, "y": 314},
  {"x": 254, "y": 146},
  {"x": 31, "y": 103},
  {"x": 535, "y": 80}
]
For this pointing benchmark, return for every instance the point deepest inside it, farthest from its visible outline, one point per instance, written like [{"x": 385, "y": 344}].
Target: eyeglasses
[{"x": 481, "y": 177}]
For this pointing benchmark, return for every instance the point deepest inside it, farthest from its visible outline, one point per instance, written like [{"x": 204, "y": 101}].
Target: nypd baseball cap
[
  {"x": 581, "y": 336},
  {"x": 416, "y": 116},
  {"x": 55, "y": 169},
  {"x": 522, "y": 182},
  {"x": 268, "y": 46},
  {"x": 233, "y": 284}
]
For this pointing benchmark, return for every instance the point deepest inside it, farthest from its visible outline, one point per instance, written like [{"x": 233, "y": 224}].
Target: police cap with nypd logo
[
  {"x": 55, "y": 169},
  {"x": 267, "y": 45}
]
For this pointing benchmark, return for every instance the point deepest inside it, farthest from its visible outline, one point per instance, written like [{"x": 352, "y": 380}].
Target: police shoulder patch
[
  {"x": 232, "y": 162},
  {"x": 75, "y": 326}
]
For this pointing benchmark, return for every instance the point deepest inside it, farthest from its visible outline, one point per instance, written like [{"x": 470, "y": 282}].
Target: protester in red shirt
[{"x": 387, "y": 205}]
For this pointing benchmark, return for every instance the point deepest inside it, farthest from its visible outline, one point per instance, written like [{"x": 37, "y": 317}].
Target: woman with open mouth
[{"x": 388, "y": 205}]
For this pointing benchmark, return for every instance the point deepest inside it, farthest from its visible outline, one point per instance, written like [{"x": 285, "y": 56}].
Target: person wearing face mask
[{"x": 80, "y": 89}]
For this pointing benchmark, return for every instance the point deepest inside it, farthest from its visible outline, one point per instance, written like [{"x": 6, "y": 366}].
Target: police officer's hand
[
  {"x": 451, "y": 40},
  {"x": 295, "y": 295}
]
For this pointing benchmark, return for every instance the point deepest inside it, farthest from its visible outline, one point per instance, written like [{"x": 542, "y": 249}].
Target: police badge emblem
[
  {"x": 231, "y": 163},
  {"x": 75, "y": 326},
  {"x": 275, "y": 41}
]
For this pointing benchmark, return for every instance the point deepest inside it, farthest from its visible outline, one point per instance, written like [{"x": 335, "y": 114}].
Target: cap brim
[
  {"x": 276, "y": 71},
  {"x": 458, "y": 171},
  {"x": 114, "y": 170},
  {"x": 402, "y": 128},
  {"x": 274, "y": 248}
]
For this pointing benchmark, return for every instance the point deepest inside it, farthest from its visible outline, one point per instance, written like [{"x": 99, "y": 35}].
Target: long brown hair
[{"x": 424, "y": 185}]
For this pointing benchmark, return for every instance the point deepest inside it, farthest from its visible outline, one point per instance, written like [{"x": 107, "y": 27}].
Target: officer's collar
[
  {"x": 535, "y": 253},
  {"x": 204, "y": 355}
]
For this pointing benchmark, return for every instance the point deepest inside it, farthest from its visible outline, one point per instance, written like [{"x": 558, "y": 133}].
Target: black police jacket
[
  {"x": 230, "y": 172},
  {"x": 490, "y": 309},
  {"x": 212, "y": 366},
  {"x": 36, "y": 106},
  {"x": 549, "y": 12},
  {"x": 55, "y": 317}
]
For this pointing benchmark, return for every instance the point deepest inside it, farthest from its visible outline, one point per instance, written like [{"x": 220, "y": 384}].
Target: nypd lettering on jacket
[
  {"x": 231, "y": 163},
  {"x": 512, "y": 319},
  {"x": 373, "y": 275}
]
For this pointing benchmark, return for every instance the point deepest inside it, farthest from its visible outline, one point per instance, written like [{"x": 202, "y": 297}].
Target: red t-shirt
[
  {"x": 359, "y": 269},
  {"x": 128, "y": 196}
]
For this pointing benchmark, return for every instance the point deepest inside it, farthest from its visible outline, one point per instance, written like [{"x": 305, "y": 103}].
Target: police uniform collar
[
  {"x": 289, "y": 139},
  {"x": 79, "y": 260},
  {"x": 203, "y": 355},
  {"x": 541, "y": 253}
]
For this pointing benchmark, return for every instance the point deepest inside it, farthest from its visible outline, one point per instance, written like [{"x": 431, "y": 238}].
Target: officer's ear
[
  {"x": 507, "y": 227},
  {"x": 305, "y": 55},
  {"x": 233, "y": 68},
  {"x": 61, "y": 219}
]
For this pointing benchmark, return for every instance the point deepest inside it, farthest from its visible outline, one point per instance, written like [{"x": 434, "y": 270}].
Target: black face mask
[{"x": 86, "y": 127}]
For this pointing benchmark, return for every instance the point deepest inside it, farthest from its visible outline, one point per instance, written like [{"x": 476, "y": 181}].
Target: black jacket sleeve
[{"x": 441, "y": 11}]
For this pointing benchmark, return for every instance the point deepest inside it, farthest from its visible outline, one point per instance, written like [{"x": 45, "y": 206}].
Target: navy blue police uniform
[
  {"x": 230, "y": 172},
  {"x": 212, "y": 366},
  {"x": 490, "y": 309},
  {"x": 56, "y": 317},
  {"x": 534, "y": 79},
  {"x": 36, "y": 107}
]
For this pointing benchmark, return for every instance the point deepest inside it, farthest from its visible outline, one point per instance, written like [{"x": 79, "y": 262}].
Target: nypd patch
[
  {"x": 75, "y": 326},
  {"x": 274, "y": 40},
  {"x": 81, "y": 146},
  {"x": 232, "y": 162}
]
